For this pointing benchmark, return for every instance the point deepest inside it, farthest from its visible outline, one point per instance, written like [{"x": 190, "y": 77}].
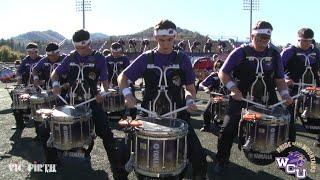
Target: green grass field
[{"x": 24, "y": 151}]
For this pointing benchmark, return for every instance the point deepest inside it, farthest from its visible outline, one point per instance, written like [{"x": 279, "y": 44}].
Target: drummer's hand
[
  {"x": 288, "y": 100},
  {"x": 56, "y": 90},
  {"x": 289, "y": 82},
  {"x": 191, "y": 106},
  {"x": 99, "y": 98},
  {"x": 236, "y": 93},
  {"x": 65, "y": 86},
  {"x": 130, "y": 101}
]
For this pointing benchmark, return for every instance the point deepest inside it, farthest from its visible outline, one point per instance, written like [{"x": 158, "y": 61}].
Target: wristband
[
  {"x": 35, "y": 77},
  {"x": 284, "y": 92},
  {"x": 230, "y": 84},
  {"x": 189, "y": 101},
  {"x": 126, "y": 91},
  {"x": 55, "y": 83}
]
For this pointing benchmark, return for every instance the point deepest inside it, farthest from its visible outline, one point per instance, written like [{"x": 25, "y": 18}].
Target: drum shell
[
  {"x": 268, "y": 132},
  {"x": 159, "y": 153},
  {"x": 113, "y": 102},
  {"x": 266, "y": 135},
  {"x": 311, "y": 103},
  {"x": 71, "y": 131},
  {"x": 17, "y": 103}
]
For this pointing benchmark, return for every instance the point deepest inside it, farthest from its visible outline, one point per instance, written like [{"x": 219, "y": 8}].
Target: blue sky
[{"x": 215, "y": 18}]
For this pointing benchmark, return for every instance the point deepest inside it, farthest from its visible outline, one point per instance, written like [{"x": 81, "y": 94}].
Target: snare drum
[
  {"x": 113, "y": 102},
  {"x": 21, "y": 97},
  {"x": 71, "y": 127},
  {"x": 39, "y": 101},
  {"x": 309, "y": 109},
  {"x": 219, "y": 108},
  {"x": 160, "y": 147},
  {"x": 264, "y": 131}
]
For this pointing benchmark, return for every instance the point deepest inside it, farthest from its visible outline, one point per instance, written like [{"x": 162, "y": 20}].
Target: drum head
[
  {"x": 162, "y": 126},
  {"x": 44, "y": 111},
  {"x": 276, "y": 114},
  {"x": 69, "y": 111}
]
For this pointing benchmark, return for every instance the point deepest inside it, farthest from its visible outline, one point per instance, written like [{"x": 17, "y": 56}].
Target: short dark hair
[
  {"x": 165, "y": 24},
  {"x": 52, "y": 46},
  {"x": 106, "y": 52},
  {"x": 305, "y": 33},
  {"x": 116, "y": 45},
  {"x": 262, "y": 25},
  {"x": 80, "y": 35},
  {"x": 32, "y": 45}
]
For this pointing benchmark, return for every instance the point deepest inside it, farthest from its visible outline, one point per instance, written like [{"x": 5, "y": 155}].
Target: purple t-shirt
[
  {"x": 40, "y": 66},
  {"x": 136, "y": 69},
  {"x": 26, "y": 63},
  {"x": 211, "y": 81},
  {"x": 100, "y": 66},
  {"x": 237, "y": 56},
  {"x": 289, "y": 52}
]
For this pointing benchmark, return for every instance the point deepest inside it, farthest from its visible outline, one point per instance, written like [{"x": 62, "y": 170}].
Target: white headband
[
  {"x": 262, "y": 31},
  {"x": 165, "y": 32},
  {"x": 53, "y": 52},
  {"x": 306, "y": 39},
  {"x": 116, "y": 50},
  {"x": 82, "y": 43},
  {"x": 32, "y": 49}
]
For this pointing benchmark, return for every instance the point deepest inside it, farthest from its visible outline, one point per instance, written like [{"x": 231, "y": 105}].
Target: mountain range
[{"x": 50, "y": 35}]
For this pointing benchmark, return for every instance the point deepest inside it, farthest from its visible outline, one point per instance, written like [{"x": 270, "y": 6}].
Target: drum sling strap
[{"x": 162, "y": 100}]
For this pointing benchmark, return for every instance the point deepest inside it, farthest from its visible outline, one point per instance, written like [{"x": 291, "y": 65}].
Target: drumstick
[
  {"x": 146, "y": 110},
  {"x": 103, "y": 93},
  {"x": 180, "y": 109},
  {"x": 303, "y": 84},
  {"x": 283, "y": 101},
  {"x": 252, "y": 102},
  {"x": 218, "y": 94},
  {"x": 60, "y": 97}
]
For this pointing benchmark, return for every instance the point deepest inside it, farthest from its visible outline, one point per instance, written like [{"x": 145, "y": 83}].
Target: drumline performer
[
  {"x": 243, "y": 69},
  {"x": 41, "y": 76},
  {"x": 301, "y": 64},
  {"x": 152, "y": 66},
  {"x": 116, "y": 63},
  {"x": 95, "y": 71},
  {"x": 212, "y": 84},
  {"x": 24, "y": 77}
]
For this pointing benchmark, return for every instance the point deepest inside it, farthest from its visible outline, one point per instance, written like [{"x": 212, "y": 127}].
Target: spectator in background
[
  {"x": 132, "y": 45},
  {"x": 145, "y": 43},
  {"x": 208, "y": 46},
  {"x": 195, "y": 46}
]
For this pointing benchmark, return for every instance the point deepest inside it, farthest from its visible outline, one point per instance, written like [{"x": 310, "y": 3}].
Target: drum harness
[
  {"x": 162, "y": 88},
  {"x": 52, "y": 67},
  {"x": 115, "y": 70},
  {"x": 308, "y": 71},
  {"x": 265, "y": 97},
  {"x": 80, "y": 82}
]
